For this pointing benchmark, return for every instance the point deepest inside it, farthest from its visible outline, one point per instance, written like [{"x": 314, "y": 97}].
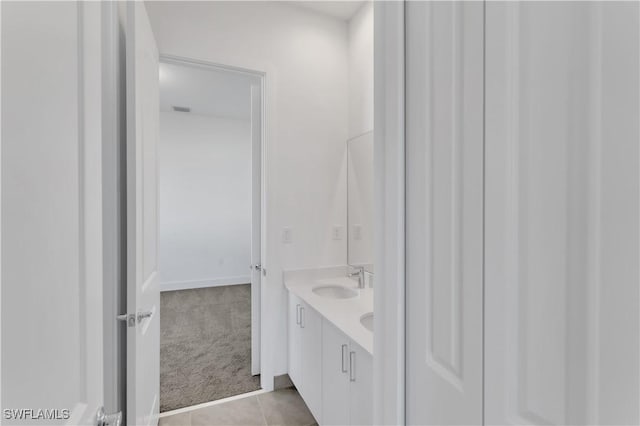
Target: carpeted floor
[{"x": 205, "y": 345}]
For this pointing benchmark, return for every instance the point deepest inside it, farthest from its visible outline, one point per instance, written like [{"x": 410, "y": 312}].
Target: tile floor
[{"x": 282, "y": 407}]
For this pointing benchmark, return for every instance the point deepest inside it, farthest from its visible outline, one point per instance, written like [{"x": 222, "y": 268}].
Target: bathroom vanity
[{"x": 330, "y": 338}]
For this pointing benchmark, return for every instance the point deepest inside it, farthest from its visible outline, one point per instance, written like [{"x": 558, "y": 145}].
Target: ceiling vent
[{"x": 181, "y": 109}]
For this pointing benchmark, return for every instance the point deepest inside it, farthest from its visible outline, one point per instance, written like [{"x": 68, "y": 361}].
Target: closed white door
[
  {"x": 52, "y": 350},
  {"x": 444, "y": 138},
  {"x": 562, "y": 235},
  {"x": 143, "y": 295}
]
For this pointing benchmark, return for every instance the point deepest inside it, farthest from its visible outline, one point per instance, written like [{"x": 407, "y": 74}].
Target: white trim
[
  {"x": 212, "y": 403},
  {"x": 213, "y": 282},
  {"x": 389, "y": 213}
]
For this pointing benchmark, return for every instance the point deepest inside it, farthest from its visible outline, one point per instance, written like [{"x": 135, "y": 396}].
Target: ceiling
[
  {"x": 338, "y": 9},
  {"x": 206, "y": 91}
]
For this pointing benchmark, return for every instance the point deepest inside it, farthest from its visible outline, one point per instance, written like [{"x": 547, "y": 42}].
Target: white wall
[
  {"x": 304, "y": 57},
  {"x": 205, "y": 200},
  {"x": 361, "y": 71}
]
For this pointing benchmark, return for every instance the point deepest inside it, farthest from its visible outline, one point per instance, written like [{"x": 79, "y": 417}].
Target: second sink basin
[
  {"x": 367, "y": 321},
  {"x": 335, "y": 292}
]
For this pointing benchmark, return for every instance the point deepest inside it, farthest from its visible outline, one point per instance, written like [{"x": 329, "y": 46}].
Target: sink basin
[
  {"x": 335, "y": 291},
  {"x": 367, "y": 321}
]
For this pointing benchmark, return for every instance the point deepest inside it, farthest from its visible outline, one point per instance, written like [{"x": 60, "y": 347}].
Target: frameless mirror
[{"x": 360, "y": 201}]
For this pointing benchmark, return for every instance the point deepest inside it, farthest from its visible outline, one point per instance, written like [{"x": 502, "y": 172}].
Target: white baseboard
[{"x": 214, "y": 282}]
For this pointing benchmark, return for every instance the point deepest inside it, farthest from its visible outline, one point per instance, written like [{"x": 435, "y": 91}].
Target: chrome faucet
[{"x": 359, "y": 272}]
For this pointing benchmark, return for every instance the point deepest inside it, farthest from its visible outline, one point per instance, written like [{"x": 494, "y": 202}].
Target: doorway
[{"x": 210, "y": 196}]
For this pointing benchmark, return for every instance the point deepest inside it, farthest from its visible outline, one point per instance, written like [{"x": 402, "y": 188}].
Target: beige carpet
[{"x": 205, "y": 345}]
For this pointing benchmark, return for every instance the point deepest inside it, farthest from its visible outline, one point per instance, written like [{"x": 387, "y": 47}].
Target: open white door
[
  {"x": 256, "y": 223},
  {"x": 52, "y": 359},
  {"x": 143, "y": 294},
  {"x": 444, "y": 127},
  {"x": 562, "y": 338}
]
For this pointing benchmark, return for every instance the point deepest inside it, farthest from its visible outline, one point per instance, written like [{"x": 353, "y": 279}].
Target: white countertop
[{"x": 342, "y": 313}]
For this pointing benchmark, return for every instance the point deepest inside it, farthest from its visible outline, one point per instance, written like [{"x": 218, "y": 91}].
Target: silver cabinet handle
[
  {"x": 352, "y": 366},
  {"x": 344, "y": 361},
  {"x": 302, "y": 316},
  {"x": 298, "y": 314}
]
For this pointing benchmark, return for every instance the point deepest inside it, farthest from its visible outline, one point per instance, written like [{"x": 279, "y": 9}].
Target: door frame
[
  {"x": 389, "y": 212},
  {"x": 258, "y": 307}
]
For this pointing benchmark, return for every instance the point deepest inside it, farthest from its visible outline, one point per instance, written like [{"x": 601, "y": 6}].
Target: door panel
[
  {"x": 51, "y": 210},
  {"x": 143, "y": 296},
  {"x": 562, "y": 213},
  {"x": 444, "y": 127},
  {"x": 256, "y": 223}
]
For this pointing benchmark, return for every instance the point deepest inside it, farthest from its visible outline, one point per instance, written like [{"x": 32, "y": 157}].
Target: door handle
[
  {"x": 298, "y": 314},
  {"x": 352, "y": 366},
  {"x": 144, "y": 315},
  {"x": 344, "y": 356},
  {"x": 130, "y": 319},
  {"x": 103, "y": 419},
  {"x": 301, "y": 316}
]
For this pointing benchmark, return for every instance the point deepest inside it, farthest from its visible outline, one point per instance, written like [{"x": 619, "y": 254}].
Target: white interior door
[
  {"x": 562, "y": 196},
  {"x": 143, "y": 294},
  {"x": 51, "y": 213},
  {"x": 444, "y": 166},
  {"x": 256, "y": 223}
]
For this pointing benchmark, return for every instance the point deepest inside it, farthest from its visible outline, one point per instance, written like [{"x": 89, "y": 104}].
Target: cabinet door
[
  {"x": 311, "y": 390},
  {"x": 294, "y": 341},
  {"x": 360, "y": 386},
  {"x": 335, "y": 376}
]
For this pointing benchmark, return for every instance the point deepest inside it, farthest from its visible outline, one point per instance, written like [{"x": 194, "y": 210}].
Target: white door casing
[
  {"x": 444, "y": 128},
  {"x": 52, "y": 209},
  {"x": 143, "y": 294},
  {"x": 389, "y": 212},
  {"x": 562, "y": 184}
]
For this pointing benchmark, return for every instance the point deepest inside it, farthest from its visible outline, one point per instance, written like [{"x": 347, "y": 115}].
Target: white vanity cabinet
[
  {"x": 295, "y": 341},
  {"x": 305, "y": 353},
  {"x": 335, "y": 376},
  {"x": 347, "y": 380},
  {"x": 360, "y": 386}
]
